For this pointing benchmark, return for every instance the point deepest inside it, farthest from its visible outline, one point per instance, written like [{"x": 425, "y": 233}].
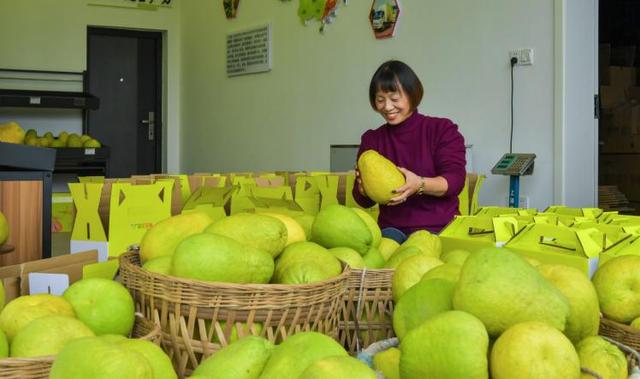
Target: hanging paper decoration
[
  {"x": 384, "y": 17},
  {"x": 321, "y": 10},
  {"x": 230, "y": 8}
]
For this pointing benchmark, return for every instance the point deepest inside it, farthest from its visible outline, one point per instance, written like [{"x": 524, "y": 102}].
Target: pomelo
[
  {"x": 534, "y": 350},
  {"x": 337, "y": 225},
  {"x": 296, "y": 353},
  {"x": 387, "y": 247},
  {"x": 486, "y": 289},
  {"x": 217, "y": 258},
  {"x": 410, "y": 271},
  {"x": 617, "y": 283},
  {"x": 259, "y": 231},
  {"x": 47, "y": 336},
  {"x": 24, "y": 309},
  {"x": 450, "y": 345},
  {"x": 4, "y": 229},
  {"x": 295, "y": 232},
  {"x": 160, "y": 265},
  {"x": 305, "y": 262},
  {"x": 457, "y": 256},
  {"x": 427, "y": 242},
  {"x": 94, "y": 358},
  {"x": 157, "y": 359},
  {"x": 348, "y": 256},
  {"x": 380, "y": 177},
  {"x": 4, "y": 345},
  {"x": 447, "y": 271},
  {"x": 163, "y": 238},
  {"x": 373, "y": 258},
  {"x": 388, "y": 363},
  {"x": 602, "y": 357},
  {"x": 376, "y": 233},
  {"x": 103, "y": 305},
  {"x": 243, "y": 359},
  {"x": 400, "y": 255}
]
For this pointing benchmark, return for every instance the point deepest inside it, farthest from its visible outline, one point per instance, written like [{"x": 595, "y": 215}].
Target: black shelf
[{"x": 47, "y": 99}]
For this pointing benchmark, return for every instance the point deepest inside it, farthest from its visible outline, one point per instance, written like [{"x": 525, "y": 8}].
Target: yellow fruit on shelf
[
  {"x": 11, "y": 132},
  {"x": 4, "y": 229},
  {"x": 92, "y": 143}
]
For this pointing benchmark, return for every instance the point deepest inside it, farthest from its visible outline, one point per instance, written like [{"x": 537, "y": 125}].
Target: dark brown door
[{"x": 124, "y": 72}]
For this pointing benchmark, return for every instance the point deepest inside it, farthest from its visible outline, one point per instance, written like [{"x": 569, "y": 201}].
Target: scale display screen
[{"x": 514, "y": 164}]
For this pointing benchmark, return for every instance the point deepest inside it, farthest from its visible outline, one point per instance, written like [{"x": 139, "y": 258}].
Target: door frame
[
  {"x": 157, "y": 36},
  {"x": 576, "y": 128}
]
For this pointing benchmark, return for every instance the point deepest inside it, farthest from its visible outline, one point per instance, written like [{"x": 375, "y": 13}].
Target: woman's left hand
[{"x": 411, "y": 186}]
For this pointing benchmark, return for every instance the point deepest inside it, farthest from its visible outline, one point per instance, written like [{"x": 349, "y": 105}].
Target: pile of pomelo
[
  {"x": 86, "y": 328},
  {"x": 272, "y": 247}
]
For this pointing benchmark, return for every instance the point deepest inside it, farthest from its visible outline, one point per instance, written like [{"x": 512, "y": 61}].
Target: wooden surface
[{"x": 21, "y": 203}]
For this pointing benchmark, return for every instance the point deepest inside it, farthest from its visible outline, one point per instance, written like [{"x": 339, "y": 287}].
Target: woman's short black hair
[{"x": 393, "y": 76}]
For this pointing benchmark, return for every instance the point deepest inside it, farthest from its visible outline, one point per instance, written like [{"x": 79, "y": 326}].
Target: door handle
[{"x": 151, "y": 125}]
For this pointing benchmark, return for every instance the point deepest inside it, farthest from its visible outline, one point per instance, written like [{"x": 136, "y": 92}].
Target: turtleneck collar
[{"x": 406, "y": 125}]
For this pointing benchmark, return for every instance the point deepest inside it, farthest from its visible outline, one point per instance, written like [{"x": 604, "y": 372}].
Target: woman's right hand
[{"x": 359, "y": 183}]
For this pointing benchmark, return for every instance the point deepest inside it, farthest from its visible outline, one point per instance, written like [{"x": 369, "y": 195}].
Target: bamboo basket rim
[
  {"x": 624, "y": 327},
  {"x": 126, "y": 260}
]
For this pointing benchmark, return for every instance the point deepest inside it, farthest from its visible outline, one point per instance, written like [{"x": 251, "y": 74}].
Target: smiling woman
[{"x": 429, "y": 151}]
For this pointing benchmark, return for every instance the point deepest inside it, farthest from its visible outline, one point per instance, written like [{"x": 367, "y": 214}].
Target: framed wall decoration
[{"x": 230, "y": 8}]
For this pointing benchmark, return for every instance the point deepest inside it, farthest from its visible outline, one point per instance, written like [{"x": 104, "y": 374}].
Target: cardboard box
[
  {"x": 468, "y": 233},
  {"x": 629, "y": 246},
  {"x": 623, "y": 77},
  {"x": 558, "y": 245},
  {"x": 622, "y": 170},
  {"x": 16, "y": 278}
]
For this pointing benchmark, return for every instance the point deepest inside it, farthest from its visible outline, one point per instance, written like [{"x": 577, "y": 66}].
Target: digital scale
[{"x": 514, "y": 165}]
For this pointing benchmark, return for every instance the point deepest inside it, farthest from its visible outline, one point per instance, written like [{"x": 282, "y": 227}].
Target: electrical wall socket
[{"x": 525, "y": 56}]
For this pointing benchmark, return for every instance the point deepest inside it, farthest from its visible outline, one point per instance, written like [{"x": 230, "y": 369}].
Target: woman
[{"x": 429, "y": 151}]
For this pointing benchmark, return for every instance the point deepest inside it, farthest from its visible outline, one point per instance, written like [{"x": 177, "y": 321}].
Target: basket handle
[{"x": 590, "y": 372}]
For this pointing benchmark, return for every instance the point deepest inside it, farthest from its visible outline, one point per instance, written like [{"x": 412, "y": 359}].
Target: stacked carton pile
[{"x": 619, "y": 129}]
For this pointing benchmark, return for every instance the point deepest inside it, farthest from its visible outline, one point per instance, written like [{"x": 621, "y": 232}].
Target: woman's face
[{"x": 393, "y": 106}]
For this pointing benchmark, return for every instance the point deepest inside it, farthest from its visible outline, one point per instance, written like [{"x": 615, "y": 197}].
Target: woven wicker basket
[
  {"x": 197, "y": 317},
  {"x": 39, "y": 367},
  {"x": 367, "y": 309},
  {"x": 620, "y": 332}
]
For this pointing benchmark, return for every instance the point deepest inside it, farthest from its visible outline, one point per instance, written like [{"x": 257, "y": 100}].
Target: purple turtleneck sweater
[{"x": 429, "y": 147}]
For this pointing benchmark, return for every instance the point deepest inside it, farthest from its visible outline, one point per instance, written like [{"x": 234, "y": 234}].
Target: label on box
[
  {"x": 54, "y": 284},
  {"x": 78, "y": 246},
  {"x": 89, "y": 151}
]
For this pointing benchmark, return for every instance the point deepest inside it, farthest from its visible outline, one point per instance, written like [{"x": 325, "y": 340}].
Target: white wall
[
  {"x": 316, "y": 94},
  {"x": 52, "y": 35}
]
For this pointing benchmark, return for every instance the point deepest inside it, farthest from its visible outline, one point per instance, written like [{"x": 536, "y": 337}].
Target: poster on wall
[
  {"x": 249, "y": 51},
  {"x": 322, "y": 10},
  {"x": 384, "y": 17},
  {"x": 148, "y": 5},
  {"x": 230, "y": 8}
]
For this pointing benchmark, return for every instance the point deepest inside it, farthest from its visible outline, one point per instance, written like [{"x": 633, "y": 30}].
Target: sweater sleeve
[
  {"x": 450, "y": 158},
  {"x": 366, "y": 143}
]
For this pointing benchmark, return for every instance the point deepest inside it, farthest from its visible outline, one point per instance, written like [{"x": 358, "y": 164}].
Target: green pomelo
[
  {"x": 306, "y": 262},
  {"x": 217, "y": 258},
  {"x": 421, "y": 302},
  {"x": 159, "y": 361},
  {"x": 636, "y": 323},
  {"x": 376, "y": 233},
  {"x": 4, "y": 345},
  {"x": 428, "y": 243},
  {"x": 584, "y": 314},
  {"x": 103, "y": 305},
  {"x": 387, "y": 247},
  {"x": 410, "y": 271},
  {"x": 161, "y": 265},
  {"x": 337, "y": 225},
  {"x": 4, "y": 231},
  {"x": 47, "y": 336},
  {"x": 2, "y": 295},
  {"x": 401, "y": 254},
  {"x": 380, "y": 177},
  {"x": 256, "y": 230},
  {"x": 457, "y": 256},
  {"x": 447, "y": 271},
  {"x": 534, "y": 350},
  {"x": 94, "y": 358},
  {"x": 602, "y": 357},
  {"x": 24, "y": 309},
  {"x": 92, "y": 143},
  {"x": 163, "y": 238},
  {"x": 487, "y": 290},
  {"x": 617, "y": 283},
  {"x": 56, "y": 143},
  {"x": 348, "y": 256},
  {"x": 388, "y": 363},
  {"x": 296, "y": 353},
  {"x": 373, "y": 258},
  {"x": 451, "y": 345},
  {"x": 244, "y": 359},
  {"x": 74, "y": 141},
  {"x": 338, "y": 368}
]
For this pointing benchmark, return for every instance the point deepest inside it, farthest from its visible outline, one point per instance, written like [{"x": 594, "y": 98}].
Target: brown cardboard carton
[{"x": 16, "y": 278}]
